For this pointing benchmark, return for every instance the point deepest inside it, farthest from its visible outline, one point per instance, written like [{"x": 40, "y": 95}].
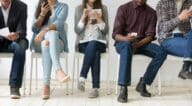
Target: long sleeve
[
  {"x": 165, "y": 24},
  {"x": 78, "y": 13},
  {"x": 105, "y": 29},
  {"x": 22, "y": 23},
  {"x": 119, "y": 25},
  {"x": 151, "y": 28},
  {"x": 61, "y": 18}
]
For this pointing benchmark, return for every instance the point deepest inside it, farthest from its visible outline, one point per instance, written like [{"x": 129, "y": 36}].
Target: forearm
[
  {"x": 120, "y": 38},
  {"x": 50, "y": 27},
  {"x": 169, "y": 25},
  {"x": 39, "y": 21}
]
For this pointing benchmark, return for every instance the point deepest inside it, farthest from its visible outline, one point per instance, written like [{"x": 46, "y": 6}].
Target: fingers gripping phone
[{"x": 45, "y": 1}]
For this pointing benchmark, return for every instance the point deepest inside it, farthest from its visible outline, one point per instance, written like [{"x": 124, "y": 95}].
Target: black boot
[
  {"x": 123, "y": 95},
  {"x": 185, "y": 73},
  {"x": 141, "y": 88}
]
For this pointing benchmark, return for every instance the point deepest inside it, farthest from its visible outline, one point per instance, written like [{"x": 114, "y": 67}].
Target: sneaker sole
[
  {"x": 92, "y": 97},
  {"x": 15, "y": 97},
  {"x": 182, "y": 77}
]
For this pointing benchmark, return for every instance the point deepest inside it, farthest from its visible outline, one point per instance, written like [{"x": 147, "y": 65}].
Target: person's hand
[
  {"x": 131, "y": 38},
  {"x": 97, "y": 16},
  {"x": 134, "y": 47},
  {"x": 13, "y": 36},
  {"x": 39, "y": 37},
  {"x": 44, "y": 9},
  {"x": 185, "y": 14},
  {"x": 85, "y": 14}
]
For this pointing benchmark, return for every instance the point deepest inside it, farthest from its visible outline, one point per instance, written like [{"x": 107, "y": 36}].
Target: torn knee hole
[{"x": 45, "y": 43}]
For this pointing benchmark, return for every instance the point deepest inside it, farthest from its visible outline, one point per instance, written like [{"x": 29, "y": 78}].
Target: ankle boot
[
  {"x": 123, "y": 95},
  {"x": 185, "y": 73},
  {"x": 141, "y": 88}
]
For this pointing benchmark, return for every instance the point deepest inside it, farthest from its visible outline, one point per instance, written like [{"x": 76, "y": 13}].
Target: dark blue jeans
[
  {"x": 18, "y": 48},
  {"x": 180, "y": 45},
  {"x": 92, "y": 51},
  {"x": 154, "y": 51}
]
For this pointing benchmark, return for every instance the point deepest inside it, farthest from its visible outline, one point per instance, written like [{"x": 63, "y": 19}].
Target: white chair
[
  {"x": 78, "y": 55},
  {"x": 10, "y": 55},
  {"x": 35, "y": 55}
]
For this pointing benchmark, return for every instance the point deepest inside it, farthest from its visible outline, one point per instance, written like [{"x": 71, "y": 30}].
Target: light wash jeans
[{"x": 50, "y": 54}]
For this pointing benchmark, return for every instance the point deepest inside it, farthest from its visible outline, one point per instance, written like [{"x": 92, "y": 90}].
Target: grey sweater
[{"x": 80, "y": 32}]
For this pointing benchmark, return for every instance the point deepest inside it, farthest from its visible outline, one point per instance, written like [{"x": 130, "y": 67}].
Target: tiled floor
[{"x": 171, "y": 96}]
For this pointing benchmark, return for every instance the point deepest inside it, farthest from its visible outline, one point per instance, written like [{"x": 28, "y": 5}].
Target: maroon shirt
[{"x": 133, "y": 18}]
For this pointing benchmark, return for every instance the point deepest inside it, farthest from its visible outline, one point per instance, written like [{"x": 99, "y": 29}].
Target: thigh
[
  {"x": 101, "y": 47},
  {"x": 82, "y": 47},
  {"x": 175, "y": 46},
  {"x": 121, "y": 46},
  {"x": 20, "y": 44},
  {"x": 150, "y": 50},
  {"x": 4, "y": 45}
]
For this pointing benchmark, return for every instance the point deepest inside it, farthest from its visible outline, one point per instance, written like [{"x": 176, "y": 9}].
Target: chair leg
[
  {"x": 24, "y": 80},
  {"x": 77, "y": 69},
  {"x": 66, "y": 68},
  {"x": 36, "y": 74},
  {"x": 159, "y": 83},
  {"x": 73, "y": 73},
  {"x": 108, "y": 75},
  {"x": 31, "y": 72},
  {"x": 116, "y": 89}
]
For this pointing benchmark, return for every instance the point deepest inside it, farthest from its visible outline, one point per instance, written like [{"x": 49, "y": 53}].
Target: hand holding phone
[
  {"x": 94, "y": 12},
  {"x": 44, "y": 8},
  {"x": 134, "y": 34}
]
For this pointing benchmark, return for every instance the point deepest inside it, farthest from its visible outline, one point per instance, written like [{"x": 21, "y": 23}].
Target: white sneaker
[
  {"x": 81, "y": 84},
  {"x": 94, "y": 93}
]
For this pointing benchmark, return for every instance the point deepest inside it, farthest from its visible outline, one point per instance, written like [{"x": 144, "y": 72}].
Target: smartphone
[
  {"x": 45, "y": 1},
  {"x": 98, "y": 11},
  {"x": 134, "y": 34},
  {"x": 92, "y": 11}
]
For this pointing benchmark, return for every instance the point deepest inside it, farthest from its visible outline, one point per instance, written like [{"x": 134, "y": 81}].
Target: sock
[{"x": 82, "y": 79}]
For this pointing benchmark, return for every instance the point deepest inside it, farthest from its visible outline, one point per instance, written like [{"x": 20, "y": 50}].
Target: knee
[
  {"x": 53, "y": 35},
  {"x": 126, "y": 46},
  {"x": 162, "y": 54},
  {"x": 18, "y": 48},
  {"x": 45, "y": 43}
]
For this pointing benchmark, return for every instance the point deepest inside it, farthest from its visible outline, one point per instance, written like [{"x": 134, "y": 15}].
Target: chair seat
[{"x": 6, "y": 55}]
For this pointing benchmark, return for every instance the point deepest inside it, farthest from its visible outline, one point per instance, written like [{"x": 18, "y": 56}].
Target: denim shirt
[{"x": 57, "y": 18}]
